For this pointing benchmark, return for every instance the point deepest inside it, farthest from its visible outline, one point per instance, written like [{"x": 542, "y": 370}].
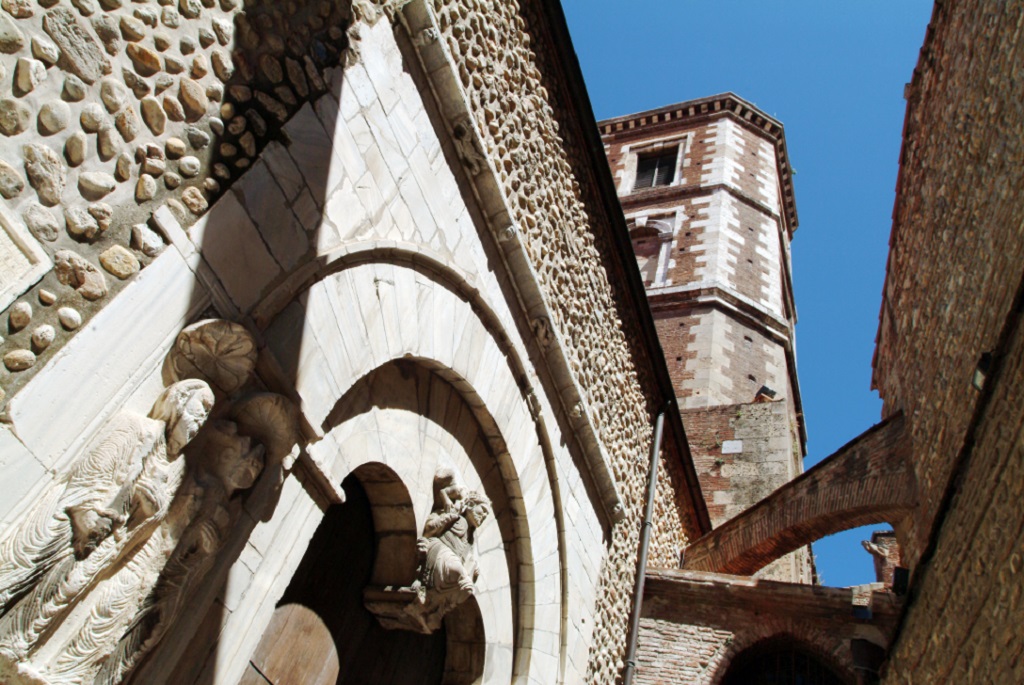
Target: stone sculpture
[
  {"x": 90, "y": 521},
  {"x": 129, "y": 608},
  {"x": 131, "y": 611},
  {"x": 447, "y": 569}
]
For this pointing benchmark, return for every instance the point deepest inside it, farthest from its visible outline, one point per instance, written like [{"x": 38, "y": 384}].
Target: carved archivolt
[{"x": 106, "y": 562}]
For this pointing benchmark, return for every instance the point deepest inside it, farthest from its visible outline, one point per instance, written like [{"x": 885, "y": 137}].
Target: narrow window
[{"x": 657, "y": 169}]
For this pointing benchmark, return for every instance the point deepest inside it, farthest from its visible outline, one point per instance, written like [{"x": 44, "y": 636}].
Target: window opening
[{"x": 657, "y": 169}]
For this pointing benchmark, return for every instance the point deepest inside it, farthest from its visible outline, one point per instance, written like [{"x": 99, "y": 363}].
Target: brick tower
[{"x": 707, "y": 192}]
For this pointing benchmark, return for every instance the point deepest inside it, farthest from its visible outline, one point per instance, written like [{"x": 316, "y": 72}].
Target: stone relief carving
[
  {"x": 112, "y": 499},
  {"x": 220, "y": 352},
  {"x": 467, "y": 147},
  {"x": 109, "y": 558},
  {"x": 133, "y": 610},
  {"x": 543, "y": 331},
  {"x": 447, "y": 567}
]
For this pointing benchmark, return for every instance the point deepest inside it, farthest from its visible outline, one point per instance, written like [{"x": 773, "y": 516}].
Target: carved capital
[{"x": 219, "y": 352}]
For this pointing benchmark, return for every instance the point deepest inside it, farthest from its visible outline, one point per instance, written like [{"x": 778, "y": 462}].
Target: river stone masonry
[{"x": 109, "y": 112}]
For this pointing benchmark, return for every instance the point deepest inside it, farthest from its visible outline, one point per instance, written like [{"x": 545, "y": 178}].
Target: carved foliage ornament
[{"x": 219, "y": 352}]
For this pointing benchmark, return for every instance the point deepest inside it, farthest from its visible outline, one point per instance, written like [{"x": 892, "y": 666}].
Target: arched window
[{"x": 781, "y": 661}]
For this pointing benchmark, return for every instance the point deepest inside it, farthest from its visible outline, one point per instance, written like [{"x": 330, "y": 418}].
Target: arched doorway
[
  {"x": 781, "y": 661},
  {"x": 321, "y": 634}
]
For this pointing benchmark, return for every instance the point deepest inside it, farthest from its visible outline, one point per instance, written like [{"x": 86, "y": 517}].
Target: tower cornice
[{"x": 723, "y": 105}]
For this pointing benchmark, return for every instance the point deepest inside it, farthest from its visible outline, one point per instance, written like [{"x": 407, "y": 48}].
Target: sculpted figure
[
  {"x": 131, "y": 610},
  {"x": 448, "y": 567},
  {"x": 110, "y": 500}
]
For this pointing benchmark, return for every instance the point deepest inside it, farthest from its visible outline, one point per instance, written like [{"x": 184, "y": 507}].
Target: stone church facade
[{"x": 326, "y": 359}]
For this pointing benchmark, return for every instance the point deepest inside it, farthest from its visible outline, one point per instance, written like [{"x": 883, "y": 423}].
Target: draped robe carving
[{"x": 91, "y": 520}]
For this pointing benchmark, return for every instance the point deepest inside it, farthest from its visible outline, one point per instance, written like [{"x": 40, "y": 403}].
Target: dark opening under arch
[{"x": 781, "y": 661}]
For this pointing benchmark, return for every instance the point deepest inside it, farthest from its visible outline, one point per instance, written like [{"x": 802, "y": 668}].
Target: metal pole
[{"x": 641, "y": 564}]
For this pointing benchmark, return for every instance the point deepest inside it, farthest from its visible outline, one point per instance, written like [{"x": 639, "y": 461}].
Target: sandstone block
[
  {"x": 113, "y": 94},
  {"x": 153, "y": 115},
  {"x": 106, "y": 28},
  {"x": 75, "y": 148},
  {"x": 145, "y": 189},
  {"x": 41, "y": 222},
  {"x": 193, "y": 99},
  {"x": 19, "y": 360},
  {"x": 15, "y": 116},
  {"x": 200, "y": 67},
  {"x": 123, "y": 167},
  {"x": 28, "y": 73},
  {"x": 147, "y": 15},
  {"x": 81, "y": 224},
  {"x": 11, "y": 183},
  {"x": 146, "y": 240},
  {"x": 69, "y": 318},
  {"x": 132, "y": 29},
  {"x": 174, "y": 147},
  {"x": 96, "y": 184},
  {"x": 188, "y": 166},
  {"x": 54, "y": 117},
  {"x": 42, "y": 336},
  {"x": 120, "y": 262},
  {"x": 145, "y": 61},
  {"x": 74, "y": 270},
  {"x": 106, "y": 143},
  {"x": 92, "y": 119},
  {"x": 128, "y": 125},
  {"x": 81, "y": 54},
  {"x": 153, "y": 166},
  {"x": 173, "y": 65},
  {"x": 173, "y": 109},
  {"x": 20, "y": 315},
  {"x": 85, "y": 7},
  {"x": 46, "y": 173},
  {"x": 45, "y": 50},
  {"x": 194, "y": 200},
  {"x": 103, "y": 213},
  {"x": 74, "y": 89},
  {"x": 11, "y": 38},
  {"x": 136, "y": 83}
]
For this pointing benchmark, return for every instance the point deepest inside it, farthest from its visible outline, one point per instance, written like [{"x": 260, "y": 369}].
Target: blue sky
[{"x": 833, "y": 73}]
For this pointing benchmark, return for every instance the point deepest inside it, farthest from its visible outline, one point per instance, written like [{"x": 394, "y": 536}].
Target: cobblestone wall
[
  {"x": 532, "y": 135},
  {"x": 108, "y": 112}
]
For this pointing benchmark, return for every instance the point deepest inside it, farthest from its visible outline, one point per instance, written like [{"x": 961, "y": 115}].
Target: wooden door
[
  {"x": 322, "y": 634},
  {"x": 296, "y": 649}
]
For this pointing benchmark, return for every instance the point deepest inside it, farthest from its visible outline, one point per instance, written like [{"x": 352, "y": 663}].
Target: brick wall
[
  {"x": 742, "y": 454},
  {"x": 694, "y": 625},
  {"x": 964, "y": 624},
  {"x": 953, "y": 279},
  {"x": 956, "y": 247}
]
